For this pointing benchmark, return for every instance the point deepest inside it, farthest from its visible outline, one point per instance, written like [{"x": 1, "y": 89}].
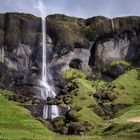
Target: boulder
[
  {"x": 58, "y": 124},
  {"x": 72, "y": 115},
  {"x": 76, "y": 129}
]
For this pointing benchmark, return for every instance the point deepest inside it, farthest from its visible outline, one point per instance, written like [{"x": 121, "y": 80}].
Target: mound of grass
[
  {"x": 17, "y": 123},
  {"x": 128, "y": 87},
  {"x": 74, "y": 73},
  {"x": 83, "y": 93},
  {"x": 82, "y": 97}
]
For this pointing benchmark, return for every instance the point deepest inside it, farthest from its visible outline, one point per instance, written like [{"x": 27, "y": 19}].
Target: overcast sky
[{"x": 78, "y": 8}]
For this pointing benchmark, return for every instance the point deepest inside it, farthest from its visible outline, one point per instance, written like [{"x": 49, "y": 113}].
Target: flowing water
[
  {"x": 50, "y": 111},
  {"x": 112, "y": 24},
  {"x": 2, "y": 54},
  {"x": 48, "y": 90},
  {"x": 46, "y": 79}
]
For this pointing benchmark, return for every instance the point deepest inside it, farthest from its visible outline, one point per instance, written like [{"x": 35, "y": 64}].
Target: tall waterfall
[
  {"x": 46, "y": 79},
  {"x": 2, "y": 54},
  {"x": 112, "y": 25},
  {"x": 48, "y": 90}
]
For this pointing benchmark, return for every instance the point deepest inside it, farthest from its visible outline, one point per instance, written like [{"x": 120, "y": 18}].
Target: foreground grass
[
  {"x": 128, "y": 122},
  {"x": 17, "y": 123}
]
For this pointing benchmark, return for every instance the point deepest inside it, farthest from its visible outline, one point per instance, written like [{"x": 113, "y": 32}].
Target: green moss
[
  {"x": 126, "y": 23},
  {"x": 66, "y": 31},
  {"x": 85, "y": 89},
  {"x": 120, "y": 62},
  {"x": 89, "y": 115},
  {"x": 128, "y": 121},
  {"x": 70, "y": 33},
  {"x": 22, "y": 15},
  {"x": 82, "y": 97},
  {"x": 74, "y": 73}
]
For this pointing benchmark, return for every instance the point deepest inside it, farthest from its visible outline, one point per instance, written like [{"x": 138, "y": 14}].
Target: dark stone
[
  {"x": 76, "y": 129},
  {"x": 117, "y": 70},
  {"x": 72, "y": 115},
  {"x": 58, "y": 124}
]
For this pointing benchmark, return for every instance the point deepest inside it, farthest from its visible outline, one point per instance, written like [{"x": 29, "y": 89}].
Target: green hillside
[{"x": 16, "y": 122}]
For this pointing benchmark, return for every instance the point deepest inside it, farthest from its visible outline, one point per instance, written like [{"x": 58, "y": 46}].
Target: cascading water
[
  {"x": 2, "y": 54},
  {"x": 49, "y": 112},
  {"x": 112, "y": 25},
  {"x": 48, "y": 90}
]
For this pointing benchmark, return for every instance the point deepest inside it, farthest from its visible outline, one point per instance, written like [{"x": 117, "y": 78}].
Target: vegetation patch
[
  {"x": 74, "y": 73},
  {"x": 120, "y": 62}
]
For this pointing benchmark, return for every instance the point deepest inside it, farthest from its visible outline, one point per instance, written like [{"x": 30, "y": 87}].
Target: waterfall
[
  {"x": 2, "y": 54},
  {"x": 50, "y": 112},
  {"x": 112, "y": 25},
  {"x": 46, "y": 79}
]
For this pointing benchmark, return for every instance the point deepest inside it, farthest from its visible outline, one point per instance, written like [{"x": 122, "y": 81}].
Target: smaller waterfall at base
[
  {"x": 50, "y": 112},
  {"x": 112, "y": 25}
]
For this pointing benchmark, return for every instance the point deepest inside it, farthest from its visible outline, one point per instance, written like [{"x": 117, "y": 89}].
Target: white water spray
[
  {"x": 112, "y": 25},
  {"x": 2, "y": 54},
  {"x": 46, "y": 80}
]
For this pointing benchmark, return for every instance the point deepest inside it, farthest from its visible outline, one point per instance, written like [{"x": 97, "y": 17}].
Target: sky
[{"x": 78, "y": 8}]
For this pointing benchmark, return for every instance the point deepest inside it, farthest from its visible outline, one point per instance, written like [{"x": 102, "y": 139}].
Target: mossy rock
[
  {"x": 74, "y": 73},
  {"x": 126, "y": 23},
  {"x": 67, "y": 33},
  {"x": 72, "y": 115},
  {"x": 58, "y": 123},
  {"x": 120, "y": 62},
  {"x": 76, "y": 128}
]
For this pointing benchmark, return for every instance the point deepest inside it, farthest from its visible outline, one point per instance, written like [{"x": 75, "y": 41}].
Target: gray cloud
[{"x": 79, "y": 8}]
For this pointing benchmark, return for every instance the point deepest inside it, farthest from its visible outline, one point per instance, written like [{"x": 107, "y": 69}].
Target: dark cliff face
[
  {"x": 20, "y": 38},
  {"x": 93, "y": 43},
  {"x": 96, "y": 42}
]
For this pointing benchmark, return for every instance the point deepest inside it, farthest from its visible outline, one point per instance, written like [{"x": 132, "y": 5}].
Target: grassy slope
[
  {"x": 16, "y": 122},
  {"x": 84, "y": 98},
  {"x": 128, "y": 90},
  {"x": 127, "y": 121},
  {"x": 128, "y": 87}
]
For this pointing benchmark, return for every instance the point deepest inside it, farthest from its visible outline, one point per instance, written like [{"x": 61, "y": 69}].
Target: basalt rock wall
[{"x": 87, "y": 44}]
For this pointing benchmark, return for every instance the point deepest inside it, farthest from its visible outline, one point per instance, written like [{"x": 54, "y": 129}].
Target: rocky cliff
[
  {"x": 96, "y": 44},
  {"x": 20, "y": 39}
]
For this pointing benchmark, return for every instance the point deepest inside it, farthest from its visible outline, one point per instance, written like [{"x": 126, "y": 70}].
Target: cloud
[{"x": 79, "y": 8}]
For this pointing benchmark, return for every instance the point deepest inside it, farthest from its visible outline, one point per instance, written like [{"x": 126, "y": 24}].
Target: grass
[
  {"x": 120, "y": 62},
  {"x": 128, "y": 87},
  {"x": 125, "y": 123},
  {"x": 83, "y": 97},
  {"x": 17, "y": 123},
  {"x": 84, "y": 91}
]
